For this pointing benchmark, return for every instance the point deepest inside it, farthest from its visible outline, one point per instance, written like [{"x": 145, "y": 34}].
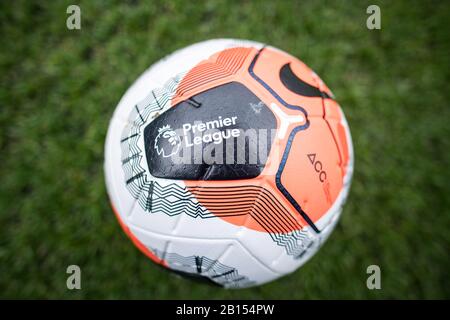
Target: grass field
[{"x": 59, "y": 89}]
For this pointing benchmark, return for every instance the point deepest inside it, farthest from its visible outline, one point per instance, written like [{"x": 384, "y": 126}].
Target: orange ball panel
[{"x": 312, "y": 174}]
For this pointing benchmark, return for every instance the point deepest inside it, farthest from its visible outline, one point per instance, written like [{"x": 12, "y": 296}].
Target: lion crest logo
[{"x": 167, "y": 142}]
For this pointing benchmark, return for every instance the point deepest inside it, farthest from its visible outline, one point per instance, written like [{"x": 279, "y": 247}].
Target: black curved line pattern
[
  {"x": 283, "y": 189},
  {"x": 297, "y": 85},
  {"x": 203, "y": 268},
  {"x": 289, "y": 143}
]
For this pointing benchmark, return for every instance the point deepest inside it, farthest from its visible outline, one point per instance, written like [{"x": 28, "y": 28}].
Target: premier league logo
[{"x": 167, "y": 142}]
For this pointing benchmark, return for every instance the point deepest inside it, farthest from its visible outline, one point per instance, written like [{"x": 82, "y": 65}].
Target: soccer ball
[{"x": 228, "y": 161}]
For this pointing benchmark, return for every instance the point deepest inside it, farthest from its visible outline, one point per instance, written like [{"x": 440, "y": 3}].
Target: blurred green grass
[{"x": 60, "y": 87}]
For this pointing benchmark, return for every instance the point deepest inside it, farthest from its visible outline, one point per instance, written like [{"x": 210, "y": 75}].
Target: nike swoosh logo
[{"x": 297, "y": 85}]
